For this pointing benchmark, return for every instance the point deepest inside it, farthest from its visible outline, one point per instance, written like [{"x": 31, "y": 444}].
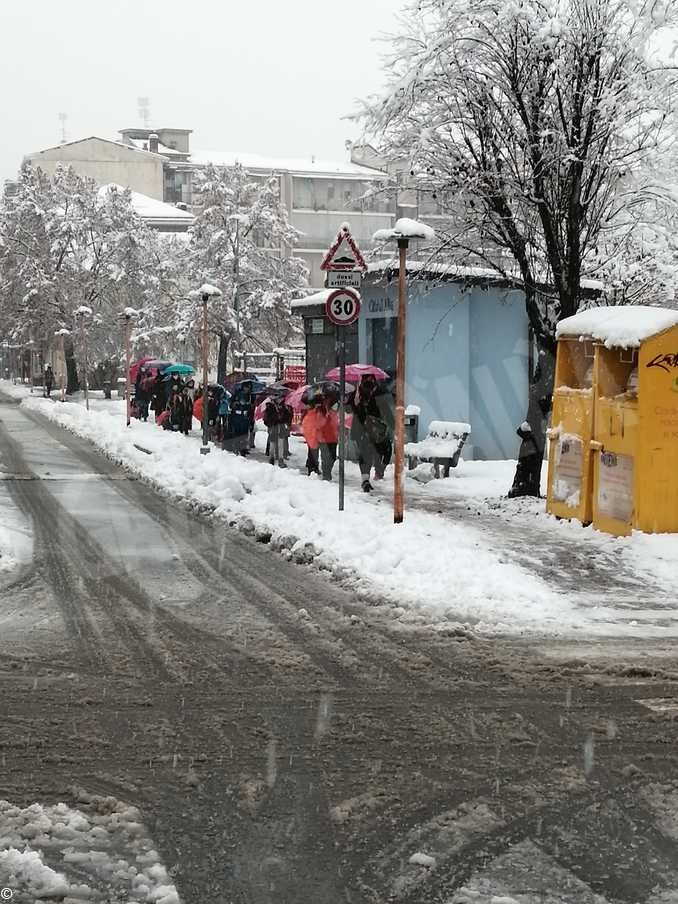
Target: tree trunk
[
  {"x": 72, "y": 382},
  {"x": 527, "y": 480},
  {"x": 222, "y": 361}
]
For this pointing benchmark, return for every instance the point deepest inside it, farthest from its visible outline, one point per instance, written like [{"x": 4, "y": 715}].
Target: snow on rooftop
[
  {"x": 317, "y": 298},
  {"x": 299, "y": 165},
  {"x": 151, "y": 208},
  {"x": 437, "y": 269},
  {"x": 618, "y": 327}
]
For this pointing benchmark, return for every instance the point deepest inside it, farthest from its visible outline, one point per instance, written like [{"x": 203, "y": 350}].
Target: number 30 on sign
[{"x": 343, "y": 307}]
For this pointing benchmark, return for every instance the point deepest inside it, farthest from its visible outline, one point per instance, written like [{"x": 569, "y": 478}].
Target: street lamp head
[
  {"x": 207, "y": 291},
  {"x": 404, "y": 230}
]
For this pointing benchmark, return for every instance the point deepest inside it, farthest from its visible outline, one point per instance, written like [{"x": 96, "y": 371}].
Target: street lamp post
[
  {"x": 62, "y": 335},
  {"x": 128, "y": 316},
  {"x": 402, "y": 232},
  {"x": 82, "y": 312},
  {"x": 206, "y": 293}
]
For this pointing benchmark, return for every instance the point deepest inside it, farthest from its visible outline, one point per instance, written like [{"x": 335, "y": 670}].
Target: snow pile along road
[
  {"x": 99, "y": 852},
  {"x": 444, "y": 570}
]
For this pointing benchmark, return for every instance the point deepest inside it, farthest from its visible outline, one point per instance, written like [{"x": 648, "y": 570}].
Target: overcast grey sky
[{"x": 264, "y": 76}]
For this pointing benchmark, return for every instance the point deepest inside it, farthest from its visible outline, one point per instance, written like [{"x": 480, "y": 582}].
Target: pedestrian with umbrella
[
  {"x": 241, "y": 417},
  {"x": 160, "y": 395},
  {"x": 320, "y": 427},
  {"x": 371, "y": 429},
  {"x": 278, "y": 420}
]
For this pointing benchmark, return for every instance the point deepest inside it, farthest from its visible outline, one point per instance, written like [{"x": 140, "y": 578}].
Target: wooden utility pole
[
  {"x": 401, "y": 335},
  {"x": 128, "y": 365}
]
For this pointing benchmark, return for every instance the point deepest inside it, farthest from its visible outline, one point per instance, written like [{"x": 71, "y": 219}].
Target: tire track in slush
[
  {"x": 253, "y": 564},
  {"x": 71, "y": 564}
]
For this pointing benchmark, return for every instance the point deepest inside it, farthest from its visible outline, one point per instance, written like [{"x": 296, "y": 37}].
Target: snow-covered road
[
  {"x": 282, "y": 739},
  {"x": 464, "y": 554}
]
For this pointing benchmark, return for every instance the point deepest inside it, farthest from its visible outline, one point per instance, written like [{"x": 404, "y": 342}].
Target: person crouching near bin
[{"x": 278, "y": 419}]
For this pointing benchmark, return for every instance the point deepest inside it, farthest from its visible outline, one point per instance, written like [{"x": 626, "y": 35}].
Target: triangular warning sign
[{"x": 344, "y": 254}]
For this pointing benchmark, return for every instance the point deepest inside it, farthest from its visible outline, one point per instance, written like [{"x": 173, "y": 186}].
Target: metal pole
[
  {"x": 205, "y": 427},
  {"x": 398, "y": 493},
  {"x": 342, "y": 413},
  {"x": 128, "y": 364},
  {"x": 84, "y": 350}
]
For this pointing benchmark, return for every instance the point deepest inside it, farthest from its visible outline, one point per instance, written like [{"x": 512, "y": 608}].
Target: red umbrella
[
  {"x": 355, "y": 371},
  {"x": 136, "y": 367}
]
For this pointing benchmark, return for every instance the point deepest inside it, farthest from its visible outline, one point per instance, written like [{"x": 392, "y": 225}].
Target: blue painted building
[{"x": 467, "y": 350}]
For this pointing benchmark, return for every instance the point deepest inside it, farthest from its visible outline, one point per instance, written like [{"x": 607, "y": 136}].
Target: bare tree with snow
[
  {"x": 544, "y": 128},
  {"x": 66, "y": 243},
  {"x": 242, "y": 242}
]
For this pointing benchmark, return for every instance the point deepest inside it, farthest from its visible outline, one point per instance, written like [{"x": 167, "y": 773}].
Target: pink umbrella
[
  {"x": 355, "y": 371},
  {"x": 136, "y": 367},
  {"x": 294, "y": 399}
]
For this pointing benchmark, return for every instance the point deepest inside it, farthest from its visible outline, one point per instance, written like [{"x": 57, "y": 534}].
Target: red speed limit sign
[{"x": 343, "y": 307}]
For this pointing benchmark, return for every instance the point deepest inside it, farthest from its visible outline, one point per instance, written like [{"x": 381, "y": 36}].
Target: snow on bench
[{"x": 442, "y": 445}]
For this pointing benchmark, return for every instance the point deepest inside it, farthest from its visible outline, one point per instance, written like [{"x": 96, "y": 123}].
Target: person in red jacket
[
  {"x": 198, "y": 406},
  {"x": 321, "y": 431},
  {"x": 309, "y": 427}
]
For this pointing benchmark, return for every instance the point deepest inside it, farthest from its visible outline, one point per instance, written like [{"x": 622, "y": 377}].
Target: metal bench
[{"x": 442, "y": 446}]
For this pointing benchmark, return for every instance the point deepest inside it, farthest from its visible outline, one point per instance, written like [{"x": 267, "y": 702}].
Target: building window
[{"x": 310, "y": 193}]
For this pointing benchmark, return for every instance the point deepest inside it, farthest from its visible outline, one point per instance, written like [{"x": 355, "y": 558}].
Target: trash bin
[
  {"x": 613, "y": 451},
  {"x": 107, "y": 389},
  {"x": 411, "y": 427}
]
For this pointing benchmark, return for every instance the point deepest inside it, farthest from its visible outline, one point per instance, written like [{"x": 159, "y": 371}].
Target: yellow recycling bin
[{"x": 613, "y": 456}]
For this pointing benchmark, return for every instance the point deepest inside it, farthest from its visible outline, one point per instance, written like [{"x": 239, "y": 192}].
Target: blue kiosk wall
[{"x": 467, "y": 356}]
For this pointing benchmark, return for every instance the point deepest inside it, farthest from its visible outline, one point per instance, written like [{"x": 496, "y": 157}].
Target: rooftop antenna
[
  {"x": 144, "y": 104},
  {"x": 63, "y": 117}
]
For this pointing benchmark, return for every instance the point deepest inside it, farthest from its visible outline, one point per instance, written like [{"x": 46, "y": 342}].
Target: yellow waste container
[
  {"x": 570, "y": 473},
  {"x": 626, "y": 424}
]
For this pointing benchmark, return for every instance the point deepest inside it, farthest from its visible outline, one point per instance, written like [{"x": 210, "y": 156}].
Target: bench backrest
[{"x": 448, "y": 430}]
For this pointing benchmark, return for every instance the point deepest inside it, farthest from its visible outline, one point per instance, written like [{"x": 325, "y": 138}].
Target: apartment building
[{"x": 319, "y": 194}]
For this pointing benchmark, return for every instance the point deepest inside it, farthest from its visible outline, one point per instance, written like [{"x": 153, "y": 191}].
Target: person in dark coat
[
  {"x": 213, "y": 400},
  {"x": 159, "y": 395},
  {"x": 527, "y": 481},
  {"x": 176, "y": 408},
  {"x": 143, "y": 393},
  {"x": 49, "y": 380},
  {"x": 278, "y": 419},
  {"x": 240, "y": 419},
  {"x": 187, "y": 412},
  {"x": 370, "y": 430}
]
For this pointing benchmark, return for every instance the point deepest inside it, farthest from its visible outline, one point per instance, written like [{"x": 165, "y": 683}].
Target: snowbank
[
  {"x": 618, "y": 327},
  {"x": 426, "y": 563},
  {"x": 16, "y": 534},
  {"x": 100, "y": 849}
]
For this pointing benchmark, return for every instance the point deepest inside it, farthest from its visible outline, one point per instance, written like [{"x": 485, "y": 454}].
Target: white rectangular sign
[
  {"x": 344, "y": 279},
  {"x": 615, "y": 486},
  {"x": 569, "y": 471}
]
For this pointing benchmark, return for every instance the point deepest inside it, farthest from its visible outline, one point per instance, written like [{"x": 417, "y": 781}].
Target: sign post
[
  {"x": 344, "y": 265},
  {"x": 342, "y": 309}
]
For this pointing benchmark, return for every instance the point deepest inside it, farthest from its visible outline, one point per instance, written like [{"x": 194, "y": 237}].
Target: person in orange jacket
[
  {"x": 309, "y": 427},
  {"x": 321, "y": 432},
  {"x": 198, "y": 406}
]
